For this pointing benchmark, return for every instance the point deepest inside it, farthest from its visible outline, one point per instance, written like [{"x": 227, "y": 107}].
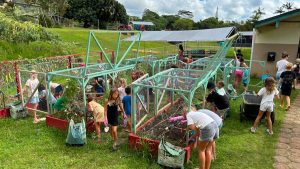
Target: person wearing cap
[
  {"x": 281, "y": 64},
  {"x": 31, "y": 89},
  {"x": 287, "y": 78},
  {"x": 219, "y": 103}
]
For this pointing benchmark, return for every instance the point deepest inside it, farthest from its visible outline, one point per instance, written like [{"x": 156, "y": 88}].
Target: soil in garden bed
[{"x": 173, "y": 132}]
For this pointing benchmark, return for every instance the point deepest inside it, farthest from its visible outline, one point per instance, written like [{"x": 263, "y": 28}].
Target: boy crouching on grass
[{"x": 127, "y": 107}]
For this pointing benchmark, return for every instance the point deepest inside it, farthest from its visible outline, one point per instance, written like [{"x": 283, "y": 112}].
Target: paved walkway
[{"x": 288, "y": 148}]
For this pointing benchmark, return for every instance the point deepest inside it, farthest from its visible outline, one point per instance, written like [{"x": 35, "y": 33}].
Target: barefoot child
[
  {"x": 98, "y": 113},
  {"x": 127, "y": 106},
  {"x": 266, "y": 104},
  {"x": 30, "y": 87},
  {"x": 111, "y": 112}
]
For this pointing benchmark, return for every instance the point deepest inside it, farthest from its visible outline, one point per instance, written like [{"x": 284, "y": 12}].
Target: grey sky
[{"x": 228, "y": 9}]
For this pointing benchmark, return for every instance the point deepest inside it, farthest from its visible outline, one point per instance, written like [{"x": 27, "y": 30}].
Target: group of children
[
  {"x": 37, "y": 94},
  {"x": 241, "y": 72},
  {"x": 286, "y": 81},
  {"x": 117, "y": 104}
]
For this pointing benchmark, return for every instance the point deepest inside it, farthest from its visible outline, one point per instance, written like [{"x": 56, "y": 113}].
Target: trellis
[
  {"x": 183, "y": 82},
  {"x": 111, "y": 65}
]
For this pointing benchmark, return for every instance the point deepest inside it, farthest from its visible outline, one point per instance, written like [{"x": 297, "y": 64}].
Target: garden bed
[
  {"x": 4, "y": 112},
  {"x": 62, "y": 124},
  {"x": 159, "y": 126}
]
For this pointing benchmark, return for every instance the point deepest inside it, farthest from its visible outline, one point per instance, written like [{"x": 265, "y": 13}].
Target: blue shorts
[
  {"x": 210, "y": 132},
  {"x": 34, "y": 100}
]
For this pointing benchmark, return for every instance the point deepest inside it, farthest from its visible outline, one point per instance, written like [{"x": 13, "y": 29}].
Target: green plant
[
  {"x": 72, "y": 104},
  {"x": 14, "y": 31}
]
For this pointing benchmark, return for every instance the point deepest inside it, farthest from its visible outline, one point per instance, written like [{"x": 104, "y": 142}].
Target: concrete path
[{"x": 288, "y": 148}]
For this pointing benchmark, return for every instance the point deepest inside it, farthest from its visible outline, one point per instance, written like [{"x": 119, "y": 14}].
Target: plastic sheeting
[{"x": 217, "y": 34}]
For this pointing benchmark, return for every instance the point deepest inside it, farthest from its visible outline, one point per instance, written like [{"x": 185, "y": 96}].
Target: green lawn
[{"x": 25, "y": 145}]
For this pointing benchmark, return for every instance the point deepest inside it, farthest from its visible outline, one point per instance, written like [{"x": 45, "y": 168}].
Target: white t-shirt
[
  {"x": 199, "y": 119},
  {"x": 213, "y": 115},
  {"x": 32, "y": 85},
  {"x": 221, "y": 91},
  {"x": 53, "y": 85},
  {"x": 280, "y": 65},
  {"x": 265, "y": 96},
  {"x": 121, "y": 92},
  {"x": 44, "y": 93}
]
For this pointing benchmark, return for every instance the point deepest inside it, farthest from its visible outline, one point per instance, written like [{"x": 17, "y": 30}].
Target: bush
[{"x": 14, "y": 31}]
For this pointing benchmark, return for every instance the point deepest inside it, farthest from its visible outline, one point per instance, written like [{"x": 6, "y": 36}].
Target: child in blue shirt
[
  {"x": 127, "y": 107},
  {"x": 245, "y": 79}
]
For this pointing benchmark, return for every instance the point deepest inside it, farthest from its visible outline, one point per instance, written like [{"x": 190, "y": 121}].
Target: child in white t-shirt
[
  {"x": 220, "y": 88},
  {"x": 121, "y": 88},
  {"x": 31, "y": 89},
  {"x": 267, "y": 104}
]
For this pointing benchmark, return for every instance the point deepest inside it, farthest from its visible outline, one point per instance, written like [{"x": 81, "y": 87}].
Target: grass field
[{"x": 25, "y": 145}]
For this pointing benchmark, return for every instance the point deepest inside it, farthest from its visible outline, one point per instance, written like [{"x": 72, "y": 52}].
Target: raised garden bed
[
  {"x": 158, "y": 126},
  {"x": 4, "y": 112},
  {"x": 62, "y": 124}
]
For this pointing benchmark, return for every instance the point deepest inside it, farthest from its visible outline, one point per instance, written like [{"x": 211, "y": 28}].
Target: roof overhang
[{"x": 276, "y": 19}]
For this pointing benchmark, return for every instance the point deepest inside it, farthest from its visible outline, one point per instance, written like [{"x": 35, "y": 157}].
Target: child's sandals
[{"x": 288, "y": 108}]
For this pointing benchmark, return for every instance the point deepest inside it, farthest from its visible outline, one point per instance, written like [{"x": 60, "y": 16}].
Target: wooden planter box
[
  {"x": 4, "y": 112},
  {"x": 57, "y": 123},
  {"x": 138, "y": 143},
  {"x": 64, "y": 124}
]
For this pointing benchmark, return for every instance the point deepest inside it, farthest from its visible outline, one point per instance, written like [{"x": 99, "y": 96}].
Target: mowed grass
[{"x": 25, "y": 145}]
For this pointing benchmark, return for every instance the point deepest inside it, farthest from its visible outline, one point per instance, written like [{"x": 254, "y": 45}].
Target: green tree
[
  {"x": 170, "y": 20},
  {"x": 185, "y": 14},
  {"x": 288, "y": 6},
  {"x": 150, "y": 15},
  {"x": 159, "y": 22},
  {"x": 183, "y": 24},
  {"x": 208, "y": 23},
  {"x": 90, "y": 11}
]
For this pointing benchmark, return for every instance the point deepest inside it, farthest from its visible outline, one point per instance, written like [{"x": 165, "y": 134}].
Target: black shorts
[
  {"x": 245, "y": 84},
  {"x": 112, "y": 118},
  {"x": 286, "y": 89}
]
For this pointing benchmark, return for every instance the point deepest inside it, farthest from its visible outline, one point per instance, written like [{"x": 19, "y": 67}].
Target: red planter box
[
  {"x": 64, "y": 124},
  {"x": 4, "y": 112},
  {"x": 56, "y": 122},
  {"x": 137, "y": 143}
]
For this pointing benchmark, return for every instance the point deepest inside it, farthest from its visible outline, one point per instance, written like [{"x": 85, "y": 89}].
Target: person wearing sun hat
[{"x": 31, "y": 89}]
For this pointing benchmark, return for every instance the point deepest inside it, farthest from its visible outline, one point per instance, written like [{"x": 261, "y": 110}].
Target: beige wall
[
  {"x": 271, "y": 39},
  {"x": 286, "y": 33},
  {"x": 261, "y": 50}
]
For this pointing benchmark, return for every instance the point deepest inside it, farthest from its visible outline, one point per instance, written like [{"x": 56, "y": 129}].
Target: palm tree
[
  {"x": 280, "y": 10},
  {"x": 288, "y": 6}
]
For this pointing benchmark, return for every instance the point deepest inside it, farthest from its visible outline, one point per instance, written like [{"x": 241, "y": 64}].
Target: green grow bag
[
  {"x": 170, "y": 155},
  {"x": 76, "y": 134}
]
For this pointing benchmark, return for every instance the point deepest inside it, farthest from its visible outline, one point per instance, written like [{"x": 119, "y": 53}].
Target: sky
[{"x": 236, "y": 10}]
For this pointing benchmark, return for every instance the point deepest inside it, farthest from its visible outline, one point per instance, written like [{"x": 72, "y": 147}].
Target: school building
[{"x": 274, "y": 35}]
